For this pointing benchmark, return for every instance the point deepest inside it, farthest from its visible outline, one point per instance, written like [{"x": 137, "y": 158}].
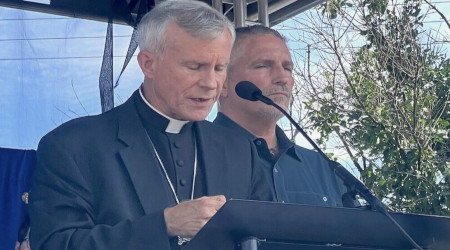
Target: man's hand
[{"x": 187, "y": 218}]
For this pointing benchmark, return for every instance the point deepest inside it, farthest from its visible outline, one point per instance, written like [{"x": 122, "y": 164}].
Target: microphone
[{"x": 249, "y": 91}]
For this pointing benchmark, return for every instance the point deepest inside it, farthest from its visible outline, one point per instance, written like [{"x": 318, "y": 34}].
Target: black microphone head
[{"x": 247, "y": 90}]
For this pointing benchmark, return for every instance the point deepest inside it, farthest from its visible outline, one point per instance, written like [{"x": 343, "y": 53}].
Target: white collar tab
[{"x": 174, "y": 126}]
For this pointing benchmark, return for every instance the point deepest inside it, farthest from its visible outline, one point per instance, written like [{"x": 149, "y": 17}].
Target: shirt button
[
  {"x": 176, "y": 144},
  {"x": 282, "y": 201},
  {"x": 182, "y": 182},
  {"x": 180, "y": 163},
  {"x": 258, "y": 142},
  {"x": 275, "y": 170},
  {"x": 325, "y": 198}
]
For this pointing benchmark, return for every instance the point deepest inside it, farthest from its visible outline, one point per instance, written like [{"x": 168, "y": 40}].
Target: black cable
[
  {"x": 61, "y": 38},
  {"x": 54, "y": 58}
]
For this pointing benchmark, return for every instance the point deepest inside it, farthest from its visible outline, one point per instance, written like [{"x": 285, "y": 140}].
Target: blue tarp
[{"x": 15, "y": 171}]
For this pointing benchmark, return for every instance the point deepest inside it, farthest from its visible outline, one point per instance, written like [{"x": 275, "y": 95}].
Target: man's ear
[
  {"x": 225, "y": 87},
  {"x": 147, "y": 62}
]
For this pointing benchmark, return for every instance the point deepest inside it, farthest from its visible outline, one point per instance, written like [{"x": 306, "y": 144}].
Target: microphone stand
[{"x": 350, "y": 181}]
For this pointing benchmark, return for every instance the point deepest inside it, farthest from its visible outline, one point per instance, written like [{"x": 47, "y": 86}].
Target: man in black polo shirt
[{"x": 260, "y": 55}]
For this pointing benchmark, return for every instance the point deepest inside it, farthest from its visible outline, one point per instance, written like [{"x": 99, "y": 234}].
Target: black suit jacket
[{"x": 98, "y": 185}]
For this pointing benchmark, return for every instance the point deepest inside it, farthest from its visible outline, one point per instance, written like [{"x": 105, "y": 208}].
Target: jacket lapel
[
  {"x": 139, "y": 159},
  {"x": 211, "y": 153}
]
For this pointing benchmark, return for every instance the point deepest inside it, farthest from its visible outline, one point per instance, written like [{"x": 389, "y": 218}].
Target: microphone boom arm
[{"x": 350, "y": 181}]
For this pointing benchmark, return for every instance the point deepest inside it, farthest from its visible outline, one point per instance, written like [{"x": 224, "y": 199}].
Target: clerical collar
[{"x": 174, "y": 126}]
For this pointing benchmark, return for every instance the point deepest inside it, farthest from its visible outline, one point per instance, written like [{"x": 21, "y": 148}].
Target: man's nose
[
  {"x": 281, "y": 76},
  {"x": 208, "y": 79}
]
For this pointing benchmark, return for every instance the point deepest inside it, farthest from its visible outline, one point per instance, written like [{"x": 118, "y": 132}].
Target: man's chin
[
  {"x": 196, "y": 117},
  {"x": 283, "y": 105},
  {"x": 269, "y": 113}
]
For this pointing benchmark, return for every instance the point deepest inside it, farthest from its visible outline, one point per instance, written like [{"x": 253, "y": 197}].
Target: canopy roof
[{"x": 125, "y": 11}]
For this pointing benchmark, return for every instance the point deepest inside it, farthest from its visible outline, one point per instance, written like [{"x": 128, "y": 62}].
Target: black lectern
[{"x": 250, "y": 225}]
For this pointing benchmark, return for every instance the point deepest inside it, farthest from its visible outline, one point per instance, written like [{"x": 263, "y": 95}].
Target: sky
[{"x": 49, "y": 70}]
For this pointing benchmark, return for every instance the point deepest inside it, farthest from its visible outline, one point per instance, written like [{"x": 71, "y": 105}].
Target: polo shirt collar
[
  {"x": 225, "y": 121},
  {"x": 286, "y": 145}
]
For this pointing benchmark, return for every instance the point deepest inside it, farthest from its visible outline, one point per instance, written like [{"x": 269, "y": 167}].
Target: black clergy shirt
[{"x": 175, "y": 146}]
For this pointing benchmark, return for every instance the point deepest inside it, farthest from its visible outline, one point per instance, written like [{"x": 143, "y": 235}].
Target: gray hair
[{"x": 196, "y": 18}]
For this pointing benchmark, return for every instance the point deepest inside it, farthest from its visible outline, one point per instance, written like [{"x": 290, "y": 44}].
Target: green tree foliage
[{"x": 374, "y": 78}]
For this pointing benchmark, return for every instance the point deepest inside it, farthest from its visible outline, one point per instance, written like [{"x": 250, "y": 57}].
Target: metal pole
[
  {"x": 240, "y": 13},
  {"x": 263, "y": 14},
  {"x": 217, "y": 4}
]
